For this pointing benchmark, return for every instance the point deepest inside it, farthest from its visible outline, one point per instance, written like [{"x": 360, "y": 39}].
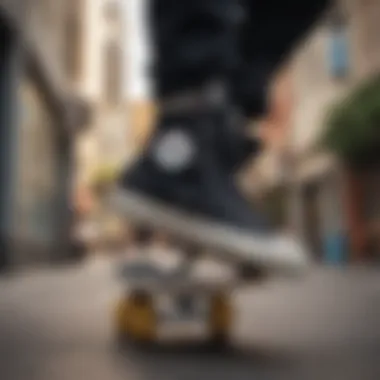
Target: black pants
[{"x": 239, "y": 41}]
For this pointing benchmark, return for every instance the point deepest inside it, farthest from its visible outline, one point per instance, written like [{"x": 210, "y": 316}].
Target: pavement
[{"x": 55, "y": 324}]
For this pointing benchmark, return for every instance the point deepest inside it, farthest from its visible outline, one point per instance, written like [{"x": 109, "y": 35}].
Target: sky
[{"x": 138, "y": 51}]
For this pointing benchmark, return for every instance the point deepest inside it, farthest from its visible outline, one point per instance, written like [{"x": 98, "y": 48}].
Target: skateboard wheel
[
  {"x": 141, "y": 318},
  {"x": 136, "y": 319},
  {"x": 121, "y": 318},
  {"x": 220, "y": 319}
]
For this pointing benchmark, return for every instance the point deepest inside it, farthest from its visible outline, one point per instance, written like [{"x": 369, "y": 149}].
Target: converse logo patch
[{"x": 174, "y": 151}]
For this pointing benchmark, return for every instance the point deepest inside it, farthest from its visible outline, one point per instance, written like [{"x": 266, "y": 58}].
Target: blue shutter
[{"x": 338, "y": 55}]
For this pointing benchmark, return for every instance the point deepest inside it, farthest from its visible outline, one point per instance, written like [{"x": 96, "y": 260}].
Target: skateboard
[
  {"x": 159, "y": 307},
  {"x": 197, "y": 305}
]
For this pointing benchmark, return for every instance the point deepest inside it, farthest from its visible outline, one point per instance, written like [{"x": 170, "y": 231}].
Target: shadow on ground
[{"x": 197, "y": 361}]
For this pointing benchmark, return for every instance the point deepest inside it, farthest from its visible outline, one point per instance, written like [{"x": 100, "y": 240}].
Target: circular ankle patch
[{"x": 174, "y": 151}]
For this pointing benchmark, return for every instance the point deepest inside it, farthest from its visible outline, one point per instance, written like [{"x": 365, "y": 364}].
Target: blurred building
[
  {"x": 139, "y": 85},
  {"x": 101, "y": 81},
  {"x": 363, "y": 185},
  {"x": 266, "y": 179},
  {"x": 39, "y": 118},
  {"x": 322, "y": 207},
  {"x": 273, "y": 131},
  {"x": 114, "y": 79},
  {"x": 322, "y": 74}
]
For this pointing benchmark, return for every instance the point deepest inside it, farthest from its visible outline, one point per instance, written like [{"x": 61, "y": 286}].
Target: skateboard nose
[{"x": 289, "y": 254}]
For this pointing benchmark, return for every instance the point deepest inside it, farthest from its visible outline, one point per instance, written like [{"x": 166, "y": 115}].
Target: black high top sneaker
[{"x": 180, "y": 184}]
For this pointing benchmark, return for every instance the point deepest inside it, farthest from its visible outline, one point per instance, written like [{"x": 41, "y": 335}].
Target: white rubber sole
[{"x": 273, "y": 253}]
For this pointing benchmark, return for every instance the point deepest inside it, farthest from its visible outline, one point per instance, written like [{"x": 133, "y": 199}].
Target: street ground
[{"x": 55, "y": 324}]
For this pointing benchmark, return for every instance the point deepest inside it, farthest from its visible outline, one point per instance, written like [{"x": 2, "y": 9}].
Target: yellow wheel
[
  {"x": 136, "y": 318},
  {"x": 220, "y": 319},
  {"x": 121, "y": 319},
  {"x": 141, "y": 321}
]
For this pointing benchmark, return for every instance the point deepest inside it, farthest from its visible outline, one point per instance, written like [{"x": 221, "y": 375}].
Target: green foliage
[{"x": 353, "y": 125}]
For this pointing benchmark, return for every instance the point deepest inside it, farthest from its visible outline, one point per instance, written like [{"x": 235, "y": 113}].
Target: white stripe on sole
[{"x": 273, "y": 253}]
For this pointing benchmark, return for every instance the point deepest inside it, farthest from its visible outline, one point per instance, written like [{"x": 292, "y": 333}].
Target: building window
[
  {"x": 111, "y": 11},
  {"x": 338, "y": 45},
  {"x": 113, "y": 19},
  {"x": 73, "y": 40},
  {"x": 47, "y": 11},
  {"x": 371, "y": 189},
  {"x": 113, "y": 78},
  {"x": 38, "y": 169},
  {"x": 112, "y": 52}
]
